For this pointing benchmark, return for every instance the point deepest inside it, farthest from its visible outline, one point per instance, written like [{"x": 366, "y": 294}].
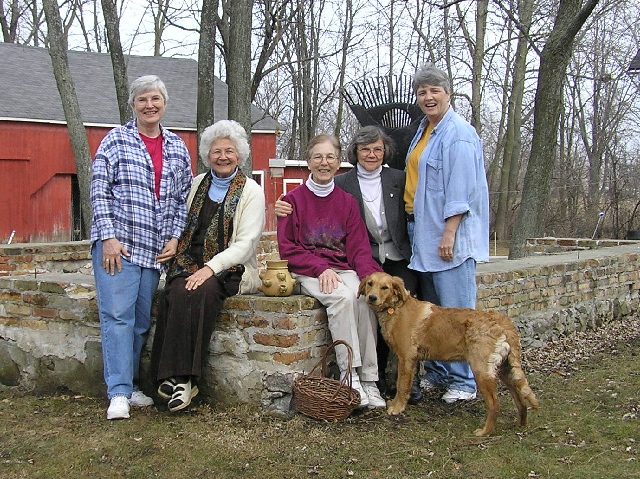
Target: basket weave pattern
[{"x": 323, "y": 398}]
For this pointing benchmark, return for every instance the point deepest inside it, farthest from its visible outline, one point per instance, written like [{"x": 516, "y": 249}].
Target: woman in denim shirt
[{"x": 447, "y": 203}]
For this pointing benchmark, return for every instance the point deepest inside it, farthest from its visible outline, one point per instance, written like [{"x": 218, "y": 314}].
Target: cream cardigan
[{"x": 248, "y": 224}]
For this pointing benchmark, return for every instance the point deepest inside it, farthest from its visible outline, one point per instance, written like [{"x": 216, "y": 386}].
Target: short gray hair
[
  {"x": 145, "y": 84},
  {"x": 429, "y": 74},
  {"x": 224, "y": 129},
  {"x": 367, "y": 135}
]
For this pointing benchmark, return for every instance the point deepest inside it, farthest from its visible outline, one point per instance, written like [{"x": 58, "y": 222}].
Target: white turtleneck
[
  {"x": 318, "y": 189},
  {"x": 371, "y": 188}
]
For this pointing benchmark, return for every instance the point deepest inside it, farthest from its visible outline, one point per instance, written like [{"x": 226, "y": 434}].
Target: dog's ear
[
  {"x": 400, "y": 291},
  {"x": 363, "y": 286}
]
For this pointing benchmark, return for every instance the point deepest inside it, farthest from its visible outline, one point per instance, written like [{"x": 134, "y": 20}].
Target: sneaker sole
[
  {"x": 112, "y": 417},
  {"x": 194, "y": 393}
]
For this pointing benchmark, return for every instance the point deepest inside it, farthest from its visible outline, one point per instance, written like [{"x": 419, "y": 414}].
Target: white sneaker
[
  {"x": 140, "y": 399},
  {"x": 373, "y": 394},
  {"x": 355, "y": 384},
  {"x": 118, "y": 408},
  {"x": 453, "y": 395},
  {"x": 428, "y": 386}
]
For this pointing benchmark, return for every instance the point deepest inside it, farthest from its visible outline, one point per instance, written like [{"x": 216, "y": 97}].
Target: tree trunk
[
  {"x": 206, "y": 67},
  {"x": 554, "y": 60},
  {"x": 513, "y": 142},
  {"x": 239, "y": 67},
  {"x": 112, "y": 25},
  {"x": 71, "y": 108}
]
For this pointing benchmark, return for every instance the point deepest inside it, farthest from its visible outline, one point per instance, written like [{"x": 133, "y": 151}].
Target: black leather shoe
[{"x": 416, "y": 394}]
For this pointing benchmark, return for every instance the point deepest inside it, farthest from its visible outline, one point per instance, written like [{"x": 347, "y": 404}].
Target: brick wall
[
  {"x": 50, "y": 335},
  {"x": 37, "y": 258}
]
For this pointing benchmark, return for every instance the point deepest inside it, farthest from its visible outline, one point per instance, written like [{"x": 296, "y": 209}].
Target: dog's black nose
[{"x": 372, "y": 298}]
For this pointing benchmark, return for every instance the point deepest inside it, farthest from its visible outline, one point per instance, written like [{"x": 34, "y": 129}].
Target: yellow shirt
[{"x": 412, "y": 169}]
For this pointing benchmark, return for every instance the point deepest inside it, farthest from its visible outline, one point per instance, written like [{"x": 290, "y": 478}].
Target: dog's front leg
[{"x": 406, "y": 370}]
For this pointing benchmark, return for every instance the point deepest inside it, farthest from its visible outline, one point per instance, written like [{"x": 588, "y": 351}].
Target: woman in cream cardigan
[{"x": 216, "y": 258}]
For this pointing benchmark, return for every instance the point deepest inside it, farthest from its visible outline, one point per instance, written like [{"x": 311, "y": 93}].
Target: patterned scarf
[{"x": 183, "y": 263}]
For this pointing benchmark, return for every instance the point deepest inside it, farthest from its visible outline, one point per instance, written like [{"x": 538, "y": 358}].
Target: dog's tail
[{"x": 513, "y": 375}]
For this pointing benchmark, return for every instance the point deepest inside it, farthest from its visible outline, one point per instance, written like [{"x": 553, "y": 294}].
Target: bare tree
[
  {"x": 511, "y": 151},
  {"x": 71, "y": 107},
  {"x": 554, "y": 59},
  {"x": 206, "y": 67},
  {"x": 9, "y": 18},
  {"x": 239, "y": 66},
  {"x": 112, "y": 25}
]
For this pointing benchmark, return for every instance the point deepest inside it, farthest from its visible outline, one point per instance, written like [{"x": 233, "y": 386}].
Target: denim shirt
[
  {"x": 451, "y": 181},
  {"x": 123, "y": 197}
]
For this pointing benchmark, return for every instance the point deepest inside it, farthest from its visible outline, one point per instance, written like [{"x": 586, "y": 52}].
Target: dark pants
[{"x": 185, "y": 324}]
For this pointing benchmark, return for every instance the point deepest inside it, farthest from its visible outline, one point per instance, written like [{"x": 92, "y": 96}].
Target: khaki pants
[{"x": 350, "y": 320}]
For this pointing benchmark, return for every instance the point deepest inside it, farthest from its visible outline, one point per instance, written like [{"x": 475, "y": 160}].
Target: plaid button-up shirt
[{"x": 123, "y": 200}]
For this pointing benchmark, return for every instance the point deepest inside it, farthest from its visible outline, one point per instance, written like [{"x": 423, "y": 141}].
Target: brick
[
  {"x": 68, "y": 316},
  {"x": 290, "y": 358},
  {"x": 51, "y": 287},
  {"x": 276, "y": 340},
  {"x": 10, "y": 296},
  {"x": 45, "y": 313},
  {"x": 238, "y": 302},
  {"x": 17, "y": 309},
  {"x": 34, "y": 324},
  {"x": 35, "y": 299},
  {"x": 25, "y": 285},
  {"x": 4, "y": 321}
]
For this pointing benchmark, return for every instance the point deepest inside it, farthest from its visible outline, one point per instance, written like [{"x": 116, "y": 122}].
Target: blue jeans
[
  {"x": 453, "y": 288},
  {"x": 124, "y": 306}
]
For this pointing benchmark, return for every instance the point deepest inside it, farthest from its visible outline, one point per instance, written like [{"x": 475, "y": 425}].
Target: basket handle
[{"x": 323, "y": 363}]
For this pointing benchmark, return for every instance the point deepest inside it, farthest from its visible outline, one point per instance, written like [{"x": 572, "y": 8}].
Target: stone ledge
[{"x": 50, "y": 335}]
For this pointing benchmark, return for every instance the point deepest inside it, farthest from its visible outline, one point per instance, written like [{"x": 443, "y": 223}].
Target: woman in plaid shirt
[{"x": 141, "y": 179}]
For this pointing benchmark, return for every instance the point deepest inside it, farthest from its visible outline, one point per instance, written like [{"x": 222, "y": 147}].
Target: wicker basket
[{"x": 323, "y": 398}]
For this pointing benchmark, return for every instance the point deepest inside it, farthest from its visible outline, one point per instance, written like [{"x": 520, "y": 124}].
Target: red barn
[{"x": 40, "y": 195}]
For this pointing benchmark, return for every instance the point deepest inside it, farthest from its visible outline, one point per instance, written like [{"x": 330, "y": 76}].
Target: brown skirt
[{"x": 186, "y": 320}]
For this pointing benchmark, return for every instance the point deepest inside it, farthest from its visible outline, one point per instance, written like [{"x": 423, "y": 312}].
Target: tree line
[{"x": 544, "y": 82}]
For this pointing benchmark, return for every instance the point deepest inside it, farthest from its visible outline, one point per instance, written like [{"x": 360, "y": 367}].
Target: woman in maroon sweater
[{"x": 327, "y": 245}]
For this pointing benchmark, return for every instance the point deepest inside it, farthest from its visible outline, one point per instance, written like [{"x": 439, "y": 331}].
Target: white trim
[
  {"x": 110, "y": 125},
  {"x": 259, "y": 173},
  {"x": 302, "y": 163},
  {"x": 288, "y": 182}
]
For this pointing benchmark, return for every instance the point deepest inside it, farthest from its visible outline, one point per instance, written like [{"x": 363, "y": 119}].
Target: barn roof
[
  {"x": 28, "y": 89},
  {"x": 634, "y": 67}
]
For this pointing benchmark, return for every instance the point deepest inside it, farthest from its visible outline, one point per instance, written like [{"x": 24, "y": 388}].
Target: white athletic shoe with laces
[
  {"x": 140, "y": 399},
  {"x": 118, "y": 408},
  {"x": 373, "y": 394},
  {"x": 453, "y": 395}
]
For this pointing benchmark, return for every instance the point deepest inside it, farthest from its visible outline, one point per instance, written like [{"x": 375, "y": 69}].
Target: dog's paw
[{"x": 394, "y": 408}]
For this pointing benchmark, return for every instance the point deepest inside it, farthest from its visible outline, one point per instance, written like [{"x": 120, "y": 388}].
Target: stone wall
[{"x": 50, "y": 335}]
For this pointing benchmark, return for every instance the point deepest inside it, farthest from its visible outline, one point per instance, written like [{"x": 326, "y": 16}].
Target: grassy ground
[{"x": 587, "y": 427}]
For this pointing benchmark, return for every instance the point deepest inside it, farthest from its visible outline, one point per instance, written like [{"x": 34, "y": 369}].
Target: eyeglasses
[
  {"x": 378, "y": 150},
  {"x": 218, "y": 153},
  {"x": 330, "y": 158}
]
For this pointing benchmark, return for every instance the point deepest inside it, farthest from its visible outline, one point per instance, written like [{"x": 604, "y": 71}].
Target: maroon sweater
[{"x": 324, "y": 233}]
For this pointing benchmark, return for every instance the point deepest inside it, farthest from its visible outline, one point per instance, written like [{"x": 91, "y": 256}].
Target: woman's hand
[
  {"x": 168, "y": 252},
  {"x": 448, "y": 240},
  {"x": 329, "y": 280},
  {"x": 197, "y": 278},
  {"x": 282, "y": 208},
  {"x": 112, "y": 250}
]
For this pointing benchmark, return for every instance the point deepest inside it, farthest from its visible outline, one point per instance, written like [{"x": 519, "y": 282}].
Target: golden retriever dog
[{"x": 418, "y": 330}]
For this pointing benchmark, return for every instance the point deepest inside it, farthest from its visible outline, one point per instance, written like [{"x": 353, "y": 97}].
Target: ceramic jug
[{"x": 276, "y": 280}]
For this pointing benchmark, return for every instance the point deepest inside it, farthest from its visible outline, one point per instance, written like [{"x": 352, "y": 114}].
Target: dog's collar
[{"x": 391, "y": 311}]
